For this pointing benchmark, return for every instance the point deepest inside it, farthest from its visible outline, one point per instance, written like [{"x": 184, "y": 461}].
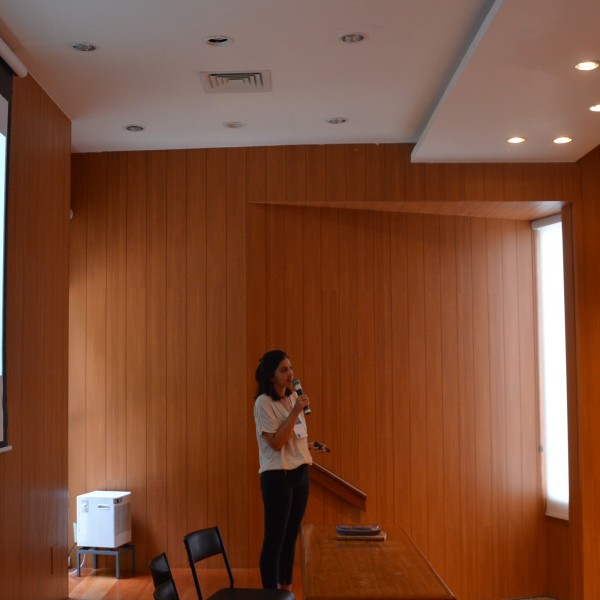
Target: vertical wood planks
[
  {"x": 95, "y": 378},
  {"x": 116, "y": 323},
  {"x": 33, "y": 495},
  {"x": 158, "y": 497},
  {"x": 137, "y": 346},
  {"x": 466, "y": 583},
  {"x": 216, "y": 429},
  {"x": 256, "y": 317},
  {"x": 586, "y": 217},
  {"x": 238, "y": 407},
  {"x": 383, "y": 371},
  {"x": 175, "y": 343},
  {"x": 196, "y": 341},
  {"x": 313, "y": 318},
  {"x": 484, "y": 474},
  {"x": 405, "y": 329},
  {"x": 77, "y": 334},
  {"x": 451, "y": 400},
  {"x": 417, "y": 380}
]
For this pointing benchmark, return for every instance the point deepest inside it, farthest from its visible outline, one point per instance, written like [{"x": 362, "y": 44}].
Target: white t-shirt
[{"x": 269, "y": 415}]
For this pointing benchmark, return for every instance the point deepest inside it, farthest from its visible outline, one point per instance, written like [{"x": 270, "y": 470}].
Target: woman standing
[{"x": 284, "y": 457}]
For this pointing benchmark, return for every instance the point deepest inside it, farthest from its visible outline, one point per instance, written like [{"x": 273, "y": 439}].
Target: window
[
  {"x": 552, "y": 365},
  {"x": 9, "y": 65},
  {"x": 5, "y": 89}
]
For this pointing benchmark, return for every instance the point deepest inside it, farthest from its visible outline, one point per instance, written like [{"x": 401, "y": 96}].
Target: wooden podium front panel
[{"x": 394, "y": 569}]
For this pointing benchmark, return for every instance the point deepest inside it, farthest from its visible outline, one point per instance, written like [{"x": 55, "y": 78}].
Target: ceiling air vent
[{"x": 235, "y": 81}]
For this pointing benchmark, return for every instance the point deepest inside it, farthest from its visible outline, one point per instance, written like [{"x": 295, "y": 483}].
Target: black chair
[
  {"x": 166, "y": 591},
  {"x": 161, "y": 574},
  {"x": 205, "y": 543}
]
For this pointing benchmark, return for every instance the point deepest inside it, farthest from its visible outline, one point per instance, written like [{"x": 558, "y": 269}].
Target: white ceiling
[{"x": 455, "y": 77}]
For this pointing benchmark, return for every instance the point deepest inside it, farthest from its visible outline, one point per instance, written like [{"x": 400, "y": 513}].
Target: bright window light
[
  {"x": 552, "y": 365},
  {"x": 3, "y": 149}
]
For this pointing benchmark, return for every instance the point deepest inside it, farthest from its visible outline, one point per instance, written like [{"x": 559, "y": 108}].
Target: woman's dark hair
[{"x": 267, "y": 365}]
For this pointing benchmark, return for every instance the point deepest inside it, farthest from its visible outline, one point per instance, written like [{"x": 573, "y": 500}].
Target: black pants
[{"x": 285, "y": 494}]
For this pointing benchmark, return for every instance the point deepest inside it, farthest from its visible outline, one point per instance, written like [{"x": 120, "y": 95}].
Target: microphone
[{"x": 298, "y": 387}]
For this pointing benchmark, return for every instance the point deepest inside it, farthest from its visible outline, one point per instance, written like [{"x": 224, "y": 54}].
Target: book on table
[{"x": 358, "y": 530}]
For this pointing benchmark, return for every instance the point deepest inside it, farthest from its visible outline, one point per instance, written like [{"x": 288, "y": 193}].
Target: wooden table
[{"x": 394, "y": 569}]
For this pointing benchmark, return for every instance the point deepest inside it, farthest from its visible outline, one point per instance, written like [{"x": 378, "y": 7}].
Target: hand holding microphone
[{"x": 298, "y": 388}]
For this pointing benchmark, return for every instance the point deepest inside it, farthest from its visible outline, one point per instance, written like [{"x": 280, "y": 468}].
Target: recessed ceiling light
[
  {"x": 352, "y": 38},
  {"x": 595, "y": 108},
  {"x": 84, "y": 46},
  {"x": 337, "y": 120},
  {"x": 516, "y": 140},
  {"x": 562, "y": 140},
  {"x": 587, "y": 65},
  {"x": 134, "y": 128},
  {"x": 218, "y": 40},
  {"x": 233, "y": 124}
]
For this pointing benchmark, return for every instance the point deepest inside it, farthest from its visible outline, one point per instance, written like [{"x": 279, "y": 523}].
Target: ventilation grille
[
  {"x": 122, "y": 518},
  {"x": 235, "y": 81}
]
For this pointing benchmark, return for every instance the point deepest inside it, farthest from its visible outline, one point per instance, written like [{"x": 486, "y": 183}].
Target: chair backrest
[
  {"x": 203, "y": 544},
  {"x": 160, "y": 569},
  {"x": 166, "y": 591}
]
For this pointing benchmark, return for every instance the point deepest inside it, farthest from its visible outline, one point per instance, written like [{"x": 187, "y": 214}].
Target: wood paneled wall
[
  {"x": 413, "y": 334},
  {"x": 157, "y": 348},
  {"x": 416, "y": 335},
  {"x": 33, "y": 476},
  {"x": 585, "y": 488}
]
